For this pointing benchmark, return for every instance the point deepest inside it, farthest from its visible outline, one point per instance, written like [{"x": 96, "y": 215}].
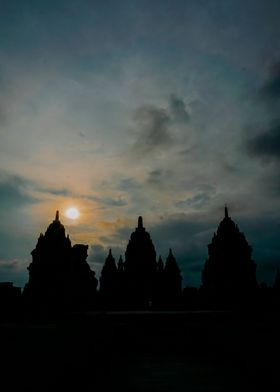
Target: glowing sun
[{"x": 72, "y": 213}]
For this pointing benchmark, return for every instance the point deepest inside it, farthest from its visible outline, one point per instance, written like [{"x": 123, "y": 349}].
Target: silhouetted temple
[
  {"x": 109, "y": 279},
  {"x": 172, "y": 278},
  {"x": 141, "y": 280},
  {"x": 229, "y": 267},
  {"x": 140, "y": 265},
  {"x": 59, "y": 273}
]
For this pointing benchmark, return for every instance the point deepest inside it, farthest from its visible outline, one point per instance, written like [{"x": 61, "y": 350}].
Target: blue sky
[{"x": 166, "y": 109}]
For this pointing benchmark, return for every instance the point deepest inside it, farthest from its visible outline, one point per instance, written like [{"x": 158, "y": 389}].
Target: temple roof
[{"x": 227, "y": 226}]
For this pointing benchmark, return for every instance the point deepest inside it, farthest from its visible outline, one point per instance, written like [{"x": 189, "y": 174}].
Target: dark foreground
[{"x": 188, "y": 351}]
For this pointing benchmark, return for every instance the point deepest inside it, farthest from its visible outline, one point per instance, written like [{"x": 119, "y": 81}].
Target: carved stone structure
[
  {"x": 172, "y": 278},
  {"x": 109, "y": 280},
  {"x": 140, "y": 266},
  {"x": 140, "y": 281},
  {"x": 59, "y": 274},
  {"x": 229, "y": 267}
]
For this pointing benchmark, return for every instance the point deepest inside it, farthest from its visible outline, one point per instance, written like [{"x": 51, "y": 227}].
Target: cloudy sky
[{"x": 165, "y": 109}]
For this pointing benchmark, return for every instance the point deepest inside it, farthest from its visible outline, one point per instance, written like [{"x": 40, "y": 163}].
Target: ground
[{"x": 142, "y": 351}]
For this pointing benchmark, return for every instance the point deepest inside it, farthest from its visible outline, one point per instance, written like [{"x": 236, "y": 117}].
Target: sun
[{"x": 72, "y": 213}]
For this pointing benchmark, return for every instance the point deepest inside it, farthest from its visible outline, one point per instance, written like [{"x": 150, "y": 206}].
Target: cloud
[
  {"x": 56, "y": 191},
  {"x": 97, "y": 255},
  {"x": 105, "y": 201},
  {"x": 159, "y": 178},
  {"x": 271, "y": 89},
  {"x": 58, "y": 86},
  {"x": 152, "y": 129},
  {"x": 154, "y": 125},
  {"x": 127, "y": 184},
  {"x": 178, "y": 109},
  {"x": 197, "y": 201},
  {"x": 266, "y": 144},
  {"x": 13, "y": 270},
  {"x": 115, "y": 202},
  {"x": 14, "y": 192},
  {"x": 9, "y": 264},
  {"x": 15, "y": 225}
]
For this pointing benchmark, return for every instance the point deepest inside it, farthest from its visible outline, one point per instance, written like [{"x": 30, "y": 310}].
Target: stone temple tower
[
  {"x": 229, "y": 267},
  {"x": 140, "y": 266},
  {"x": 59, "y": 273}
]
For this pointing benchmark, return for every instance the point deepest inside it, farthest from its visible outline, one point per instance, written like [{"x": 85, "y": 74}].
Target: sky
[{"x": 165, "y": 109}]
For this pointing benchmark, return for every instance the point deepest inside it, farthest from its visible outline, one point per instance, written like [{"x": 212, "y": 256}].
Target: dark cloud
[
  {"x": 122, "y": 235},
  {"x": 14, "y": 229},
  {"x": 152, "y": 129},
  {"x": 178, "y": 109},
  {"x": 266, "y": 144},
  {"x": 7, "y": 97},
  {"x": 118, "y": 201},
  {"x": 271, "y": 89},
  {"x": 10, "y": 265},
  {"x": 197, "y": 201},
  {"x": 155, "y": 176},
  {"x": 97, "y": 255},
  {"x": 128, "y": 184},
  {"x": 153, "y": 124},
  {"x": 56, "y": 192},
  {"x": 13, "y": 270},
  {"x": 159, "y": 178},
  {"x": 13, "y": 192}
]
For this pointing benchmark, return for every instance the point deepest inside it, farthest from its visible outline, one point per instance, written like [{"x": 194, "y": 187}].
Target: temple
[
  {"x": 59, "y": 274},
  {"x": 229, "y": 267},
  {"x": 140, "y": 266},
  {"x": 140, "y": 281},
  {"x": 110, "y": 281},
  {"x": 172, "y": 279}
]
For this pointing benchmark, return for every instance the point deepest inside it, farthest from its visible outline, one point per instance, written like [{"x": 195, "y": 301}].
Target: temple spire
[
  {"x": 140, "y": 222},
  {"x": 226, "y": 211},
  {"x": 57, "y": 215}
]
